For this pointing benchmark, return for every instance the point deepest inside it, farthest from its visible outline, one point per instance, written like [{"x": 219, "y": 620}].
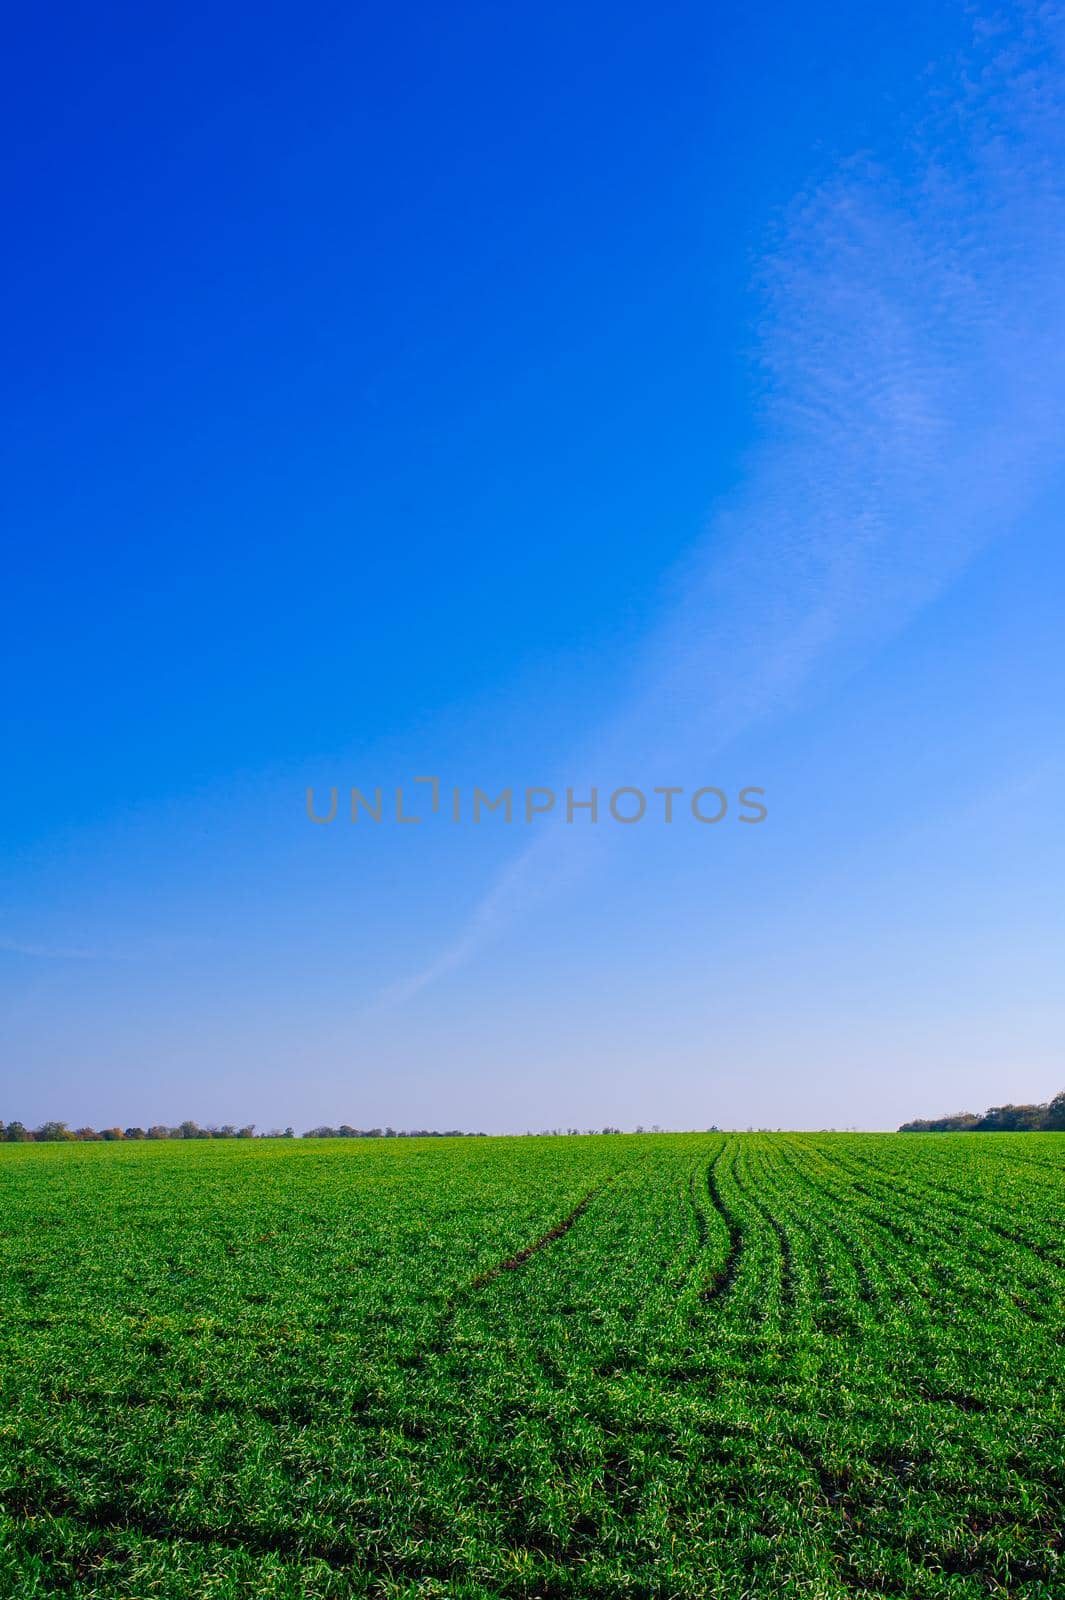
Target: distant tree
[
  {"x": 135, "y": 1133},
  {"x": 289, "y": 1133},
  {"x": 1054, "y": 1119},
  {"x": 87, "y": 1135},
  {"x": 247, "y": 1132},
  {"x": 15, "y": 1133},
  {"x": 53, "y": 1133},
  {"x": 1011, "y": 1119},
  {"x": 959, "y": 1122},
  {"x": 158, "y": 1131},
  {"x": 1049, "y": 1117},
  {"x": 111, "y": 1134}
]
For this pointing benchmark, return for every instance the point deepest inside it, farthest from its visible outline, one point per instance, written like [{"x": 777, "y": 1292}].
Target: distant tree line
[
  {"x": 1049, "y": 1117},
  {"x": 60, "y": 1133},
  {"x": 346, "y": 1131},
  {"x": 580, "y": 1133}
]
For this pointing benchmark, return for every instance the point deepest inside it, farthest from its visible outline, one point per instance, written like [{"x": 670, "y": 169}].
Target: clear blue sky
[{"x": 527, "y": 396}]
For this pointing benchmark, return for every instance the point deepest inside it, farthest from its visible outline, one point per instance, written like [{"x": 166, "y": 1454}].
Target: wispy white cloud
[
  {"x": 912, "y": 346},
  {"x": 36, "y": 951}
]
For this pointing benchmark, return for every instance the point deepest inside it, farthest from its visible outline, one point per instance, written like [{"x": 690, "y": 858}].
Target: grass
[{"x": 665, "y": 1365}]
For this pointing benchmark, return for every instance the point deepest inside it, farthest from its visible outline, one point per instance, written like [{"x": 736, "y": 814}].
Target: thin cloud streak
[
  {"x": 50, "y": 952},
  {"x": 913, "y": 354}
]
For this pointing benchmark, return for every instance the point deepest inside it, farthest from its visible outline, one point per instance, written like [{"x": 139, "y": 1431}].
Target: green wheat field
[{"x": 623, "y": 1366}]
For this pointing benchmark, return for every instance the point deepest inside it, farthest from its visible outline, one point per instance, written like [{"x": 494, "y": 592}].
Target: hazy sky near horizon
[{"x": 556, "y": 399}]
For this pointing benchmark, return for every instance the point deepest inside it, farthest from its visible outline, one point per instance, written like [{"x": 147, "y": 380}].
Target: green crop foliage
[{"x": 734, "y": 1366}]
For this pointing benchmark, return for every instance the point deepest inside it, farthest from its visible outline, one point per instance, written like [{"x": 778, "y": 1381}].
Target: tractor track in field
[
  {"x": 687, "y": 1252},
  {"x": 879, "y": 1275},
  {"x": 702, "y": 1227},
  {"x": 539, "y": 1350},
  {"x": 838, "y": 1269},
  {"x": 761, "y": 1218},
  {"x": 849, "y": 1496},
  {"x": 962, "y": 1206},
  {"x": 785, "y": 1250},
  {"x": 898, "y": 1227},
  {"x": 907, "y": 1205},
  {"x": 910, "y": 1229},
  {"x": 855, "y": 1251},
  {"x": 815, "y": 1229},
  {"x": 440, "y": 1342},
  {"x": 696, "y": 1182},
  {"x": 892, "y": 1256},
  {"x": 346, "y": 1553},
  {"x": 725, "y": 1277},
  {"x": 558, "y": 1231},
  {"x": 112, "y": 1516}
]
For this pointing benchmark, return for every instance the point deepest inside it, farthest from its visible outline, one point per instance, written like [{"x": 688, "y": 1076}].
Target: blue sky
[{"x": 579, "y": 395}]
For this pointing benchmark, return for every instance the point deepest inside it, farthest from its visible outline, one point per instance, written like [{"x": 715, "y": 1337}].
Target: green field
[{"x": 657, "y": 1365}]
